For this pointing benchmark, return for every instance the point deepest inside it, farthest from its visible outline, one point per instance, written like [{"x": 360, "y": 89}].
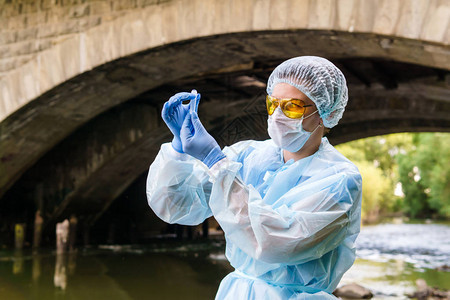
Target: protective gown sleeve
[
  {"x": 178, "y": 188},
  {"x": 303, "y": 224}
]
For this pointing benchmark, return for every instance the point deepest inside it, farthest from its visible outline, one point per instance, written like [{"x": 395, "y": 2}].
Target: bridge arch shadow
[{"x": 78, "y": 147}]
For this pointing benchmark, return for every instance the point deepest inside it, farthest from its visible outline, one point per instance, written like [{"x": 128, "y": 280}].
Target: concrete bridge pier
[
  {"x": 62, "y": 236},
  {"x": 19, "y": 235},
  {"x": 73, "y": 224},
  {"x": 37, "y": 230}
]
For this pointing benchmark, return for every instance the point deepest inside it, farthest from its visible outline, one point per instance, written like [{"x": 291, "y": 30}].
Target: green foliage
[
  {"x": 386, "y": 160},
  {"x": 376, "y": 187},
  {"x": 381, "y": 150},
  {"x": 375, "y": 158},
  {"x": 424, "y": 173},
  {"x": 415, "y": 201}
]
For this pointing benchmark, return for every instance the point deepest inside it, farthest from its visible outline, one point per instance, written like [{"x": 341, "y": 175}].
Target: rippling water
[
  {"x": 424, "y": 245},
  {"x": 390, "y": 258}
]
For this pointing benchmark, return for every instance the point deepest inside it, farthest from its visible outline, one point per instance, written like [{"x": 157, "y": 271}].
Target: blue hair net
[{"x": 317, "y": 78}]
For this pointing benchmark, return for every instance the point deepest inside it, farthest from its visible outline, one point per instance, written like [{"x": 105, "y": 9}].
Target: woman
[{"x": 289, "y": 206}]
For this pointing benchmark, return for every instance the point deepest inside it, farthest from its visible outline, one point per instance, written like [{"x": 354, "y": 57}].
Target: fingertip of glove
[
  {"x": 197, "y": 101},
  {"x": 164, "y": 110}
]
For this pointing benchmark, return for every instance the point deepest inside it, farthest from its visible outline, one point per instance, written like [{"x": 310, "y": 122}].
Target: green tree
[
  {"x": 381, "y": 150},
  {"x": 377, "y": 156},
  {"x": 415, "y": 201},
  {"x": 376, "y": 187},
  {"x": 424, "y": 173},
  {"x": 419, "y": 161}
]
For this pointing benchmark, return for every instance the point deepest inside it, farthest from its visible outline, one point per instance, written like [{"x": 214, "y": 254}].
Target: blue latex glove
[
  {"x": 197, "y": 142},
  {"x": 174, "y": 113}
]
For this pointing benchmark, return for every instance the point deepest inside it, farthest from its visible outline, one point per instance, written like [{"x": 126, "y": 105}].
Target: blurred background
[{"x": 82, "y": 84}]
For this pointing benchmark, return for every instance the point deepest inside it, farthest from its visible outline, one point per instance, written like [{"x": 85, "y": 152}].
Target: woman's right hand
[{"x": 174, "y": 113}]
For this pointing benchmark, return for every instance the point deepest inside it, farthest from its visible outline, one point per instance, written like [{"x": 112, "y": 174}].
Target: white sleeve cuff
[{"x": 215, "y": 169}]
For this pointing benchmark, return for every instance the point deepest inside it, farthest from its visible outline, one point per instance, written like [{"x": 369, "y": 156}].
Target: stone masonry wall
[
  {"x": 46, "y": 42},
  {"x": 29, "y": 27}
]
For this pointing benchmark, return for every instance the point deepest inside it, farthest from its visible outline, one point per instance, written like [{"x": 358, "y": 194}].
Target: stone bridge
[{"x": 82, "y": 83}]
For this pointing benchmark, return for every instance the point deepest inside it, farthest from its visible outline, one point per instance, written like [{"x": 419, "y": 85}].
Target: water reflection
[
  {"x": 36, "y": 269},
  {"x": 194, "y": 271},
  {"x": 60, "y": 277},
  {"x": 136, "y": 273},
  {"x": 18, "y": 261},
  {"x": 65, "y": 266}
]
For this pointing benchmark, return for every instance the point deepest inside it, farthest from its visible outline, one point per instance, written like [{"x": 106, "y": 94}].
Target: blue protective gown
[{"x": 290, "y": 227}]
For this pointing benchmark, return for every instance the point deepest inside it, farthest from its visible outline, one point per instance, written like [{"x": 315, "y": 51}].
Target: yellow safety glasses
[{"x": 292, "y": 108}]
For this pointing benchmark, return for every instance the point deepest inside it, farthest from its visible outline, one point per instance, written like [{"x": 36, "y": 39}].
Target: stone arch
[
  {"x": 46, "y": 44},
  {"x": 175, "y": 50}
]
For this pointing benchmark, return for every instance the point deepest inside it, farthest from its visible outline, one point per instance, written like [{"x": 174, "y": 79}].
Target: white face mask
[{"x": 287, "y": 133}]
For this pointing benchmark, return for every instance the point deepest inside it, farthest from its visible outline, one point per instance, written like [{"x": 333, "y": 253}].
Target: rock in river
[{"x": 353, "y": 291}]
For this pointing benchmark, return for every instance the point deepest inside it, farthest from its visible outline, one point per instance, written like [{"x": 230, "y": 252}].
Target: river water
[{"x": 390, "y": 258}]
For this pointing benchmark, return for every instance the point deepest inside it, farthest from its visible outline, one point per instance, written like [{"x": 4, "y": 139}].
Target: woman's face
[{"x": 284, "y": 90}]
